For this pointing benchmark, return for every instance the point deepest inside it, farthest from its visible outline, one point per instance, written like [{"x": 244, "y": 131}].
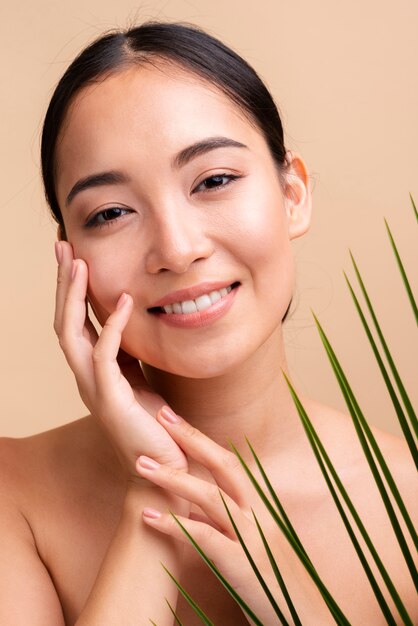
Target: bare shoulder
[
  {"x": 30, "y": 468},
  {"x": 60, "y": 499},
  {"x": 69, "y": 455}
]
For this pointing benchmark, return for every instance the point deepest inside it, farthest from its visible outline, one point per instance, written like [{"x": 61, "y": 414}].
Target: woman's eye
[
  {"x": 112, "y": 214},
  {"x": 215, "y": 182},
  {"x": 106, "y": 217}
]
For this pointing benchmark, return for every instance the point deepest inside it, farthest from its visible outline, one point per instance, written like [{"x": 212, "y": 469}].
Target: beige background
[{"x": 345, "y": 78}]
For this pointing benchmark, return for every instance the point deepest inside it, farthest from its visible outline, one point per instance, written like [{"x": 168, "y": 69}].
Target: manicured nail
[
  {"x": 151, "y": 513},
  {"x": 74, "y": 270},
  {"x": 148, "y": 463},
  {"x": 168, "y": 415},
  {"x": 58, "y": 252},
  {"x": 121, "y": 301}
]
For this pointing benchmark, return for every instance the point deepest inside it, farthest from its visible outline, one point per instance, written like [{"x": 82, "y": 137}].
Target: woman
[{"x": 176, "y": 201}]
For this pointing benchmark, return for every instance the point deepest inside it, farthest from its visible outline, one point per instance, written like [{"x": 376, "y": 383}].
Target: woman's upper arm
[{"x": 27, "y": 593}]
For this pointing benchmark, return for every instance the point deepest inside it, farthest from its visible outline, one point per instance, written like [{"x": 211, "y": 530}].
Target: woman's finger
[
  {"x": 64, "y": 255},
  {"x": 221, "y": 550},
  {"x": 195, "y": 490},
  {"x": 199, "y": 517},
  {"x": 222, "y": 463},
  {"x": 105, "y": 354},
  {"x": 75, "y": 336},
  {"x": 64, "y": 280}
]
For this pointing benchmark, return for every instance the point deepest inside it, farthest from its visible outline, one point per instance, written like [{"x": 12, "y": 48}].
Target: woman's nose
[{"x": 177, "y": 241}]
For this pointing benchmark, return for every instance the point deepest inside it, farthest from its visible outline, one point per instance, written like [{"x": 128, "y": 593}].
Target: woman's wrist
[{"x": 132, "y": 583}]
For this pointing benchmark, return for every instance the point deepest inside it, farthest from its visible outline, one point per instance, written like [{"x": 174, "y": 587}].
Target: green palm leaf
[
  {"x": 295, "y": 542},
  {"x": 199, "y": 612},
  {"x": 321, "y": 454},
  {"x": 403, "y": 274},
  {"x": 254, "y": 567},
  {"x": 244, "y": 606},
  {"x": 405, "y": 398},
  {"x": 398, "y": 408},
  {"x": 275, "y": 499},
  {"x": 176, "y": 617},
  {"x": 413, "y": 206},
  {"x": 360, "y": 424},
  {"x": 277, "y": 574}
]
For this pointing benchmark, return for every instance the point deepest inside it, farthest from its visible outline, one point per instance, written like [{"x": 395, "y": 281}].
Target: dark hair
[{"x": 185, "y": 45}]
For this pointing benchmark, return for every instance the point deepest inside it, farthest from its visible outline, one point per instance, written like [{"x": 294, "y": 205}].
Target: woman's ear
[{"x": 298, "y": 200}]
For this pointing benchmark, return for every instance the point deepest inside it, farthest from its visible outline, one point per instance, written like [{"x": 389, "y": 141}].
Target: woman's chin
[
  {"x": 197, "y": 368},
  {"x": 223, "y": 357},
  {"x": 195, "y": 371}
]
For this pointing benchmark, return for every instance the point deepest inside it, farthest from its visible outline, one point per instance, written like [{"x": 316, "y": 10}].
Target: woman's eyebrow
[
  {"x": 113, "y": 177},
  {"x": 202, "y": 146},
  {"x": 116, "y": 177}
]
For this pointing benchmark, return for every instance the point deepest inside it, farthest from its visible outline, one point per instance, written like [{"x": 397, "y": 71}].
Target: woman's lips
[
  {"x": 199, "y": 318},
  {"x": 190, "y": 293}
]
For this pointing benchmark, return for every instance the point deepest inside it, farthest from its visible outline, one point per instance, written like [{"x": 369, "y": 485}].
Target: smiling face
[{"x": 153, "y": 224}]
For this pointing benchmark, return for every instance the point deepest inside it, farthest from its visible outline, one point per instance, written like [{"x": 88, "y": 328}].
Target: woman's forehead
[
  {"x": 146, "y": 108},
  {"x": 149, "y": 93}
]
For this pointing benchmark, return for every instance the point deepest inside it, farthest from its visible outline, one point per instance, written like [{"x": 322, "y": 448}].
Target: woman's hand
[
  {"x": 110, "y": 382},
  {"x": 212, "y": 528}
]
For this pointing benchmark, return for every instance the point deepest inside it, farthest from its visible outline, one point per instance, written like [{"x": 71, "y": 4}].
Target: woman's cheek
[
  {"x": 261, "y": 233},
  {"x": 266, "y": 248},
  {"x": 105, "y": 286}
]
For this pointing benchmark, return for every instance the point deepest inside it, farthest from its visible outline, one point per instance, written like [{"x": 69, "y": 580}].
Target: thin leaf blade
[
  {"x": 402, "y": 391},
  {"x": 360, "y": 423},
  {"x": 397, "y": 406},
  {"x": 403, "y": 273},
  {"x": 254, "y": 567},
  {"x": 277, "y": 573},
  {"x": 196, "y": 608},
  {"x": 244, "y": 606},
  {"x": 319, "y": 452},
  {"x": 413, "y": 206},
  {"x": 297, "y": 546}
]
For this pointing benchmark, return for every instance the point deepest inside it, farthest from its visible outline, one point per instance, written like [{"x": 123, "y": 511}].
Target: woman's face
[{"x": 152, "y": 224}]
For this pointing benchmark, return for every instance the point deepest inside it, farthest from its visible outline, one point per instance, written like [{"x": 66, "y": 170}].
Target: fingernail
[
  {"x": 74, "y": 270},
  {"x": 148, "y": 463},
  {"x": 168, "y": 415},
  {"x": 121, "y": 301},
  {"x": 151, "y": 513},
  {"x": 58, "y": 252}
]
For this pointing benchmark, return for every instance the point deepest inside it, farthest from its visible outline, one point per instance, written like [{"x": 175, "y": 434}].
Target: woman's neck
[{"x": 250, "y": 401}]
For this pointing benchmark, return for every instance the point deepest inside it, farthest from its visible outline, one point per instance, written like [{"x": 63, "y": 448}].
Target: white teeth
[
  {"x": 189, "y": 306},
  {"x": 215, "y": 296},
  {"x": 203, "y": 302},
  {"x": 199, "y": 304}
]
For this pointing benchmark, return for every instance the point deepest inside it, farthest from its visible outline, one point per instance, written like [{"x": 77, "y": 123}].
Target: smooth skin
[{"x": 84, "y": 519}]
